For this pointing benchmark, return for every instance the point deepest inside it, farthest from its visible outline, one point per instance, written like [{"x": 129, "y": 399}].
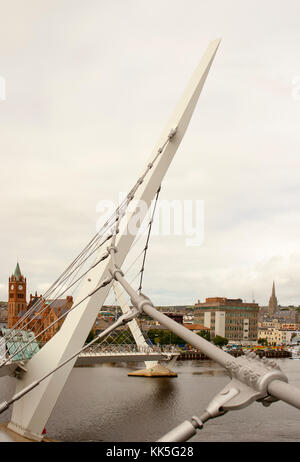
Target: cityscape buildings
[
  {"x": 229, "y": 318},
  {"x": 238, "y": 321}
]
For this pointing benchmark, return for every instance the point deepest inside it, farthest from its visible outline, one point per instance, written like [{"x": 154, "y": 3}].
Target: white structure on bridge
[
  {"x": 43, "y": 376},
  {"x": 32, "y": 410}
]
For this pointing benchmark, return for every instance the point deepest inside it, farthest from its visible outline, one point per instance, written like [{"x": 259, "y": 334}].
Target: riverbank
[{"x": 268, "y": 353}]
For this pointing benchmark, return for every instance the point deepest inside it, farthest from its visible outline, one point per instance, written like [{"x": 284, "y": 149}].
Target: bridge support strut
[{"x": 31, "y": 412}]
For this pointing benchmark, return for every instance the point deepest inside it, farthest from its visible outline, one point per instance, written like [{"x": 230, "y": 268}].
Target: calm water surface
[{"x": 103, "y": 404}]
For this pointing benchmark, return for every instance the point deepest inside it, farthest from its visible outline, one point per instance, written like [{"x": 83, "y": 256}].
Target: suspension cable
[
  {"x": 104, "y": 283},
  {"x": 38, "y": 304},
  {"x": 119, "y": 213},
  {"x": 147, "y": 241},
  {"x": 66, "y": 313},
  {"x": 120, "y": 321},
  {"x": 11, "y": 335},
  {"x": 34, "y": 307},
  {"x": 60, "y": 280}
]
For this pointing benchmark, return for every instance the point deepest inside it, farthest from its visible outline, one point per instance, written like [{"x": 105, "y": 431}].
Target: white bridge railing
[{"x": 128, "y": 348}]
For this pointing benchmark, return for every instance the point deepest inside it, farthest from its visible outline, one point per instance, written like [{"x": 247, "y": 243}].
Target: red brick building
[
  {"x": 16, "y": 297},
  {"x": 43, "y": 312},
  {"x": 46, "y": 312}
]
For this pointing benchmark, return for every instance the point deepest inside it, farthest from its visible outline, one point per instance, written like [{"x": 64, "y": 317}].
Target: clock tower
[{"x": 16, "y": 297}]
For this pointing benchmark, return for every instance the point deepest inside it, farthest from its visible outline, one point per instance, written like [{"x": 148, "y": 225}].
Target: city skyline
[
  {"x": 271, "y": 299},
  {"x": 94, "y": 95}
]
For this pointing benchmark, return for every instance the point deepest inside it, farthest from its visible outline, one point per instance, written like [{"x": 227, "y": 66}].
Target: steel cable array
[{"x": 37, "y": 309}]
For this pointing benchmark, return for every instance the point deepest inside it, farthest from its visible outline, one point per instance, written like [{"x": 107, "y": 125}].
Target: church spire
[
  {"x": 17, "y": 272},
  {"x": 17, "y": 304},
  {"x": 273, "y": 289},
  {"x": 273, "y": 305}
]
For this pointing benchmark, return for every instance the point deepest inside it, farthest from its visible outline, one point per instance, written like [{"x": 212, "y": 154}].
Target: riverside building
[
  {"x": 228, "y": 317},
  {"x": 39, "y": 319},
  {"x": 278, "y": 336}
]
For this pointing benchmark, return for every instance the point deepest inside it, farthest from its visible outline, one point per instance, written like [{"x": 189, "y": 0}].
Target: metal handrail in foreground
[{"x": 252, "y": 378}]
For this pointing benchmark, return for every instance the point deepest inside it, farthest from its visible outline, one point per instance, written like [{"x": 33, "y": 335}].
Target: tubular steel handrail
[{"x": 252, "y": 378}]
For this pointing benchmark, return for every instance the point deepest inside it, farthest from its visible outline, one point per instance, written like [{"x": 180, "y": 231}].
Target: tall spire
[
  {"x": 17, "y": 272},
  {"x": 16, "y": 297},
  {"x": 273, "y": 305},
  {"x": 273, "y": 289}
]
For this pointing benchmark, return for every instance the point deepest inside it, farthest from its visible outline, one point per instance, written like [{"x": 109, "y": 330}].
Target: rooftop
[
  {"x": 196, "y": 327},
  {"x": 222, "y": 301}
]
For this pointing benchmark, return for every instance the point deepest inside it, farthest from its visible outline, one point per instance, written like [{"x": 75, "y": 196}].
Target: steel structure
[
  {"x": 40, "y": 384},
  {"x": 31, "y": 413}
]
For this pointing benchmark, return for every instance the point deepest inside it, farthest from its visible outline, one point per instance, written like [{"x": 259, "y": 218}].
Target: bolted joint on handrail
[
  {"x": 139, "y": 301},
  {"x": 197, "y": 422},
  {"x": 250, "y": 379},
  {"x": 114, "y": 271},
  {"x": 185, "y": 430},
  {"x": 255, "y": 372}
]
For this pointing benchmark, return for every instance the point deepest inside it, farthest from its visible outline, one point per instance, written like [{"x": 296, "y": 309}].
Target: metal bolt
[
  {"x": 225, "y": 392},
  {"x": 198, "y": 422}
]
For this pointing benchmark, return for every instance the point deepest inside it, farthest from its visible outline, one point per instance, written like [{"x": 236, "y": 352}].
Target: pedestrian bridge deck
[{"x": 105, "y": 354}]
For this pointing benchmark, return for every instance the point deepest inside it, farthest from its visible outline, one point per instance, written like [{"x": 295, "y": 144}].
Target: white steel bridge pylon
[
  {"x": 133, "y": 325},
  {"x": 31, "y": 412},
  {"x": 252, "y": 379}
]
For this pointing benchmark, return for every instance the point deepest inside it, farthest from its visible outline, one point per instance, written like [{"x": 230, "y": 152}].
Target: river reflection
[
  {"x": 103, "y": 404},
  {"x": 209, "y": 372}
]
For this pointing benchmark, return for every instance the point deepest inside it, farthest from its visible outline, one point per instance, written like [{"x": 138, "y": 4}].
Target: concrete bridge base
[{"x": 155, "y": 371}]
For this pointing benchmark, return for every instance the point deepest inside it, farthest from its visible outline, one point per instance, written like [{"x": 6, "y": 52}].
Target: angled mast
[{"x": 31, "y": 413}]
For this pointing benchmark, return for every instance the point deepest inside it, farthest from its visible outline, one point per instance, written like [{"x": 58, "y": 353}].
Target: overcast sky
[{"x": 89, "y": 87}]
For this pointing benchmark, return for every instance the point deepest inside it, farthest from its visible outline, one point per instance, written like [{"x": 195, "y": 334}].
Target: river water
[{"x": 103, "y": 404}]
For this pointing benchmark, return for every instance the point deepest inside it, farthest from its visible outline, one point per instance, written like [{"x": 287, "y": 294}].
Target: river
[{"x": 103, "y": 404}]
